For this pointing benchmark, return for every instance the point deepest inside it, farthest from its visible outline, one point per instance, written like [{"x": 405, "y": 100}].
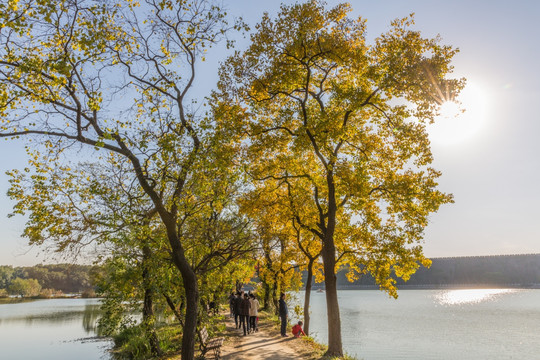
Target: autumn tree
[
  {"x": 71, "y": 208},
  {"x": 68, "y": 278},
  {"x": 278, "y": 262},
  {"x": 114, "y": 77},
  {"x": 6, "y": 275},
  {"x": 130, "y": 282},
  {"x": 340, "y": 123},
  {"x": 24, "y": 287},
  {"x": 286, "y": 249}
]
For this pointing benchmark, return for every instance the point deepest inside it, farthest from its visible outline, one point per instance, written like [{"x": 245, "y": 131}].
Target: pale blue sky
[{"x": 494, "y": 174}]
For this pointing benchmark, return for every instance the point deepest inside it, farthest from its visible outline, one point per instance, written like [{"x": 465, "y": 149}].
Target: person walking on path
[
  {"x": 283, "y": 314},
  {"x": 232, "y": 298},
  {"x": 253, "y": 313},
  {"x": 245, "y": 305},
  {"x": 237, "y": 302}
]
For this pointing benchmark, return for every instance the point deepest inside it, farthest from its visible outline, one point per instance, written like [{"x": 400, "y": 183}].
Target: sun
[{"x": 462, "y": 119}]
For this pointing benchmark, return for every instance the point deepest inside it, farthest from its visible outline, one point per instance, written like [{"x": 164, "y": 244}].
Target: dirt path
[{"x": 265, "y": 344}]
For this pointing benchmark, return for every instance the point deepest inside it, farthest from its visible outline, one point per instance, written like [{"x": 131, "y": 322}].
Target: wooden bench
[{"x": 213, "y": 344}]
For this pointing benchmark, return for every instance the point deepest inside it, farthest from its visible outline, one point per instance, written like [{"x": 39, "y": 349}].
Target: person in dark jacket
[
  {"x": 245, "y": 305},
  {"x": 283, "y": 314},
  {"x": 232, "y": 298},
  {"x": 237, "y": 302}
]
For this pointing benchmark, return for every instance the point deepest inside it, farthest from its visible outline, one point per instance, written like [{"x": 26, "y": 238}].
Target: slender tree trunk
[
  {"x": 149, "y": 319},
  {"x": 275, "y": 298},
  {"x": 191, "y": 288},
  {"x": 192, "y": 307},
  {"x": 335, "y": 347},
  {"x": 239, "y": 285},
  {"x": 266, "y": 299},
  {"x": 307, "y": 296},
  {"x": 177, "y": 313}
]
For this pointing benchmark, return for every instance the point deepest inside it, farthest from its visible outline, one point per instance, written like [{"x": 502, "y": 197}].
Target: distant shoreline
[
  {"x": 436, "y": 287},
  {"x": 17, "y": 300}
]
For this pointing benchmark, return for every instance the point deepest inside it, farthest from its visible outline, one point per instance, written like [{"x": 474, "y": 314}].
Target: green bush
[
  {"x": 24, "y": 287},
  {"x": 131, "y": 343}
]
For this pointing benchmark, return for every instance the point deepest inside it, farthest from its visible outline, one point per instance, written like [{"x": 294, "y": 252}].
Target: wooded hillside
[
  {"x": 67, "y": 278},
  {"x": 503, "y": 270}
]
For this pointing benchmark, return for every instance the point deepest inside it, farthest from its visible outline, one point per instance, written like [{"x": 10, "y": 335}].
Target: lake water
[
  {"x": 54, "y": 329},
  {"x": 421, "y": 324},
  {"x": 435, "y": 324}
]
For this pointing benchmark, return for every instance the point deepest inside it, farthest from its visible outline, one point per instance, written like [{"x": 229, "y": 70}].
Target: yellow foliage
[{"x": 326, "y": 145}]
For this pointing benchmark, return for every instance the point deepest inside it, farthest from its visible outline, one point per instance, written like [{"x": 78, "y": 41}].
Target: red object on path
[{"x": 297, "y": 330}]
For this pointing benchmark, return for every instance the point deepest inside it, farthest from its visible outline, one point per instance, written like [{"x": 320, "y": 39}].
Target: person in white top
[{"x": 253, "y": 313}]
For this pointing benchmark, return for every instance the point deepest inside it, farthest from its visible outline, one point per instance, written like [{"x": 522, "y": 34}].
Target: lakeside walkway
[{"x": 266, "y": 344}]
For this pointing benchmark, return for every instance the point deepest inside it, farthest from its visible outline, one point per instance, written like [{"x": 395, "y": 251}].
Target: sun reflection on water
[{"x": 469, "y": 296}]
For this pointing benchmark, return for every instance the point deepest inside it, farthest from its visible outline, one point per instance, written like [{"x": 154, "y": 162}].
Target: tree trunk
[
  {"x": 266, "y": 300},
  {"x": 177, "y": 313},
  {"x": 192, "y": 308},
  {"x": 275, "y": 298},
  {"x": 190, "y": 325},
  {"x": 191, "y": 288},
  {"x": 307, "y": 296},
  {"x": 239, "y": 285},
  {"x": 149, "y": 319},
  {"x": 335, "y": 347}
]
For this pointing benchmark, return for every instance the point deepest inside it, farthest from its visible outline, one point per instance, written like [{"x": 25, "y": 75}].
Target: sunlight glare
[
  {"x": 459, "y": 122},
  {"x": 468, "y": 296}
]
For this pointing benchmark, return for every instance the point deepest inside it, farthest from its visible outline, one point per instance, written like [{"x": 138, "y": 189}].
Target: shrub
[
  {"x": 24, "y": 287},
  {"x": 131, "y": 343},
  {"x": 47, "y": 294},
  {"x": 90, "y": 293}
]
